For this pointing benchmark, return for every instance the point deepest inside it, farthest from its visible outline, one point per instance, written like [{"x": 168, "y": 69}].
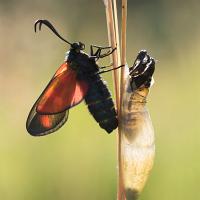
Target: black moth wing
[
  {"x": 42, "y": 124},
  {"x": 39, "y": 124}
]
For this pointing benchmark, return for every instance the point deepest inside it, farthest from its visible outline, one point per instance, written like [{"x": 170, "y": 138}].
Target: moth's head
[{"x": 78, "y": 46}]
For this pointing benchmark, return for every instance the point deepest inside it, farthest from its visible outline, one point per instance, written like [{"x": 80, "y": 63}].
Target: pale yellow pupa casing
[{"x": 137, "y": 140}]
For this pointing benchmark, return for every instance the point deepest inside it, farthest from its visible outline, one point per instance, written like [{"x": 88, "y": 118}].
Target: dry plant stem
[
  {"x": 113, "y": 35},
  {"x": 112, "y": 41},
  {"x": 123, "y": 44},
  {"x": 120, "y": 193},
  {"x": 123, "y": 62},
  {"x": 117, "y": 36}
]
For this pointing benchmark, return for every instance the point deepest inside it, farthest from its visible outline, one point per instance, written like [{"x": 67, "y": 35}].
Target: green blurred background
[{"x": 79, "y": 160}]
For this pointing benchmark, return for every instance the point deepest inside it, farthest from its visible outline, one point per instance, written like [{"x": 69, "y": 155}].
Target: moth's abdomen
[{"x": 101, "y": 106}]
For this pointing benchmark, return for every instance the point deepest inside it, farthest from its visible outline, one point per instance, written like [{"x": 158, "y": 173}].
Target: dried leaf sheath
[
  {"x": 137, "y": 139},
  {"x": 113, "y": 42}
]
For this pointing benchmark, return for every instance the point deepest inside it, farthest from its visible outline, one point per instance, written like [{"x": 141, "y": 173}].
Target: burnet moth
[{"x": 77, "y": 79}]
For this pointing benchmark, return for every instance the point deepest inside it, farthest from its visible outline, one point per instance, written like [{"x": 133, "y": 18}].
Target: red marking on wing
[
  {"x": 63, "y": 92},
  {"x": 46, "y": 122}
]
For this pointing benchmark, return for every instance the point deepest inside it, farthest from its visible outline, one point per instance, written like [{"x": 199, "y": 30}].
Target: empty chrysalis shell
[{"x": 137, "y": 142}]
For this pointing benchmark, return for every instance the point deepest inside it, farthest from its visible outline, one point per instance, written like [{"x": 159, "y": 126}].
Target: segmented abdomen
[{"x": 100, "y": 105}]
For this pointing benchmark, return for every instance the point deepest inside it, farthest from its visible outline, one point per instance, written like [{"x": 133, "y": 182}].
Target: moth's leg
[
  {"x": 98, "y": 54},
  {"x": 110, "y": 65},
  {"x": 104, "y": 71}
]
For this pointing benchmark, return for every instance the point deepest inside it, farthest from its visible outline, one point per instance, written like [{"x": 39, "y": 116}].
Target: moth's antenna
[{"x": 50, "y": 26}]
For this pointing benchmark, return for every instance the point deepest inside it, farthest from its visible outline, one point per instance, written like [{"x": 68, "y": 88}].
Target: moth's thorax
[{"x": 81, "y": 62}]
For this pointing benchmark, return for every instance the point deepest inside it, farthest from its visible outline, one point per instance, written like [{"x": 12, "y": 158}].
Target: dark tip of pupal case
[{"x": 142, "y": 71}]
